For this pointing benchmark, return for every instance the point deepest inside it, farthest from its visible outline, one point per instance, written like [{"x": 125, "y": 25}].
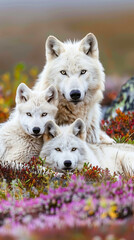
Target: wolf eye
[
  {"x": 83, "y": 71},
  {"x": 63, "y": 72},
  {"x": 58, "y": 149},
  {"x": 29, "y": 114},
  {"x": 44, "y": 114},
  {"x": 73, "y": 149}
]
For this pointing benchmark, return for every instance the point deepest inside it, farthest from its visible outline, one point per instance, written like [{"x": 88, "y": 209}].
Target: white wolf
[
  {"x": 21, "y": 136},
  {"x": 75, "y": 70},
  {"x": 65, "y": 148}
]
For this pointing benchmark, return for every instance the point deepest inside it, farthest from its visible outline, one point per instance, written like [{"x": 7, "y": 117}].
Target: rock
[{"x": 124, "y": 101}]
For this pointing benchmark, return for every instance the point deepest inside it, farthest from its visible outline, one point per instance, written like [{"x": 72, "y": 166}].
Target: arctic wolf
[
  {"x": 75, "y": 70},
  {"x": 21, "y": 136},
  {"x": 65, "y": 149}
]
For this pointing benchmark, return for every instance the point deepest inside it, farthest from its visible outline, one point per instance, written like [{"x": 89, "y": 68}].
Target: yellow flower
[
  {"x": 5, "y": 110},
  {"x": 6, "y": 77},
  {"x": 91, "y": 212},
  {"x": 112, "y": 214},
  {"x": 1, "y": 100}
]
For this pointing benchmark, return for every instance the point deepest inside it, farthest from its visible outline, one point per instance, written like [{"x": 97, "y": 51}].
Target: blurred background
[{"x": 25, "y": 25}]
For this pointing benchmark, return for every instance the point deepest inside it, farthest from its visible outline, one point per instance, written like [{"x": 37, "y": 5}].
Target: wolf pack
[{"x": 59, "y": 119}]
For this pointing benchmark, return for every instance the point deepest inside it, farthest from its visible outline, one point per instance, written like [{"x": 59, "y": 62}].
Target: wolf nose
[
  {"x": 75, "y": 94},
  {"x": 67, "y": 163},
  {"x": 36, "y": 130}
]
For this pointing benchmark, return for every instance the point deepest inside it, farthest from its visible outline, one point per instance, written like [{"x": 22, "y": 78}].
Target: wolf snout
[
  {"x": 36, "y": 130},
  {"x": 67, "y": 163},
  {"x": 75, "y": 95}
]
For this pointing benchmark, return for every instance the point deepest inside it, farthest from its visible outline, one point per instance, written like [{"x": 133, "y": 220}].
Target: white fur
[
  {"x": 115, "y": 157},
  {"x": 66, "y": 138},
  {"x": 73, "y": 57},
  {"x": 18, "y": 142}
]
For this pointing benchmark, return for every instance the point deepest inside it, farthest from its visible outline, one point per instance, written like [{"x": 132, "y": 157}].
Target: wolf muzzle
[{"x": 75, "y": 95}]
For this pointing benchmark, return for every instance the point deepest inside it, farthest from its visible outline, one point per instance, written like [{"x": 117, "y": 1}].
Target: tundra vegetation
[{"x": 88, "y": 204}]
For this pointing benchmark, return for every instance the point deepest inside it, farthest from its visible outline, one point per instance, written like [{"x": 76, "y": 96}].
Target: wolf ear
[
  {"x": 51, "y": 95},
  {"x": 54, "y": 48},
  {"x": 79, "y": 129},
  {"x": 23, "y": 93},
  {"x": 51, "y": 131},
  {"x": 89, "y": 45}
]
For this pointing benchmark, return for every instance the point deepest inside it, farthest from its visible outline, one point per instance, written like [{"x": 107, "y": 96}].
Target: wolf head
[
  {"x": 64, "y": 147},
  {"x": 34, "y": 108},
  {"x": 74, "y": 67}
]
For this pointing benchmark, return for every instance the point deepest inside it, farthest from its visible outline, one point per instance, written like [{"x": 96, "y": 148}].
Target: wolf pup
[
  {"x": 65, "y": 149},
  {"x": 75, "y": 70},
  {"x": 21, "y": 136}
]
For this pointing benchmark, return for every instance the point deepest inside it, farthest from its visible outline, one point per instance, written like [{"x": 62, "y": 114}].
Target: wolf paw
[{"x": 104, "y": 138}]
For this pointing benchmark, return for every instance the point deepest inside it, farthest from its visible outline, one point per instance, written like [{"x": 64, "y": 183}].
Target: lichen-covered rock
[{"x": 124, "y": 101}]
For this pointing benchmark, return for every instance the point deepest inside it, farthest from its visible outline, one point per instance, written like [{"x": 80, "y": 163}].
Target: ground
[{"x": 87, "y": 204}]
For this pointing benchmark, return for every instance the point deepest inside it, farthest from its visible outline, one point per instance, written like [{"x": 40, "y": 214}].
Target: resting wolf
[
  {"x": 21, "y": 136},
  {"x": 75, "y": 70},
  {"x": 65, "y": 149}
]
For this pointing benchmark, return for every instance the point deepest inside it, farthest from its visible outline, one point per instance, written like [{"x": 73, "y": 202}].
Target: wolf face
[
  {"x": 65, "y": 147},
  {"x": 74, "y": 68},
  {"x": 76, "y": 72},
  {"x": 34, "y": 108}
]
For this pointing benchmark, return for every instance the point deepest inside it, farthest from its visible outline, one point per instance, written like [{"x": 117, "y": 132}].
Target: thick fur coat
[
  {"x": 75, "y": 70},
  {"x": 21, "y": 135},
  {"x": 65, "y": 149}
]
